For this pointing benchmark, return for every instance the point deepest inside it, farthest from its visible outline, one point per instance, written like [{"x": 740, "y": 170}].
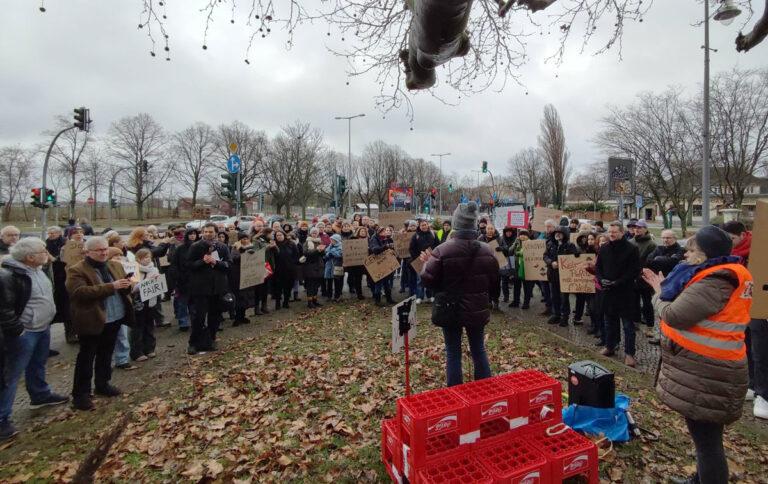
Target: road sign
[
  {"x": 233, "y": 164},
  {"x": 233, "y": 147},
  {"x": 91, "y": 201},
  {"x": 639, "y": 201}
]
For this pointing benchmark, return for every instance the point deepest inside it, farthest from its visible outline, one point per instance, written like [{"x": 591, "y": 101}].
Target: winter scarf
[
  {"x": 742, "y": 250},
  {"x": 681, "y": 275}
]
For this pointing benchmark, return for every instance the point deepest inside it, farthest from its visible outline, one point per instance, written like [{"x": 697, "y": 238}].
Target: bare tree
[
  {"x": 739, "y": 131},
  {"x": 591, "y": 184},
  {"x": 528, "y": 176},
  {"x": 554, "y": 153},
  {"x": 138, "y": 144},
  {"x": 194, "y": 150},
  {"x": 94, "y": 172},
  {"x": 67, "y": 155},
  {"x": 16, "y": 168},
  {"x": 252, "y": 148},
  {"x": 381, "y": 166}
]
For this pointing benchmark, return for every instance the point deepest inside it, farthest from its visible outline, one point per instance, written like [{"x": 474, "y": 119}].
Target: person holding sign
[
  {"x": 334, "y": 268},
  {"x": 246, "y": 297},
  {"x": 379, "y": 243},
  {"x": 355, "y": 272},
  {"x": 100, "y": 301},
  {"x": 561, "y": 302},
  {"x": 286, "y": 255},
  {"x": 142, "y": 334},
  {"x": 423, "y": 240},
  {"x": 314, "y": 266},
  {"x": 490, "y": 234},
  {"x": 518, "y": 273}
]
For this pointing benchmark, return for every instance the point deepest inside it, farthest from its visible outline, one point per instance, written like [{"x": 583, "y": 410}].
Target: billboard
[
  {"x": 400, "y": 197},
  {"x": 621, "y": 177}
]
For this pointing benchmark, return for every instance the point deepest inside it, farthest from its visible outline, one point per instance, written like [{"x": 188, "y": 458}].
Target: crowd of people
[{"x": 97, "y": 300}]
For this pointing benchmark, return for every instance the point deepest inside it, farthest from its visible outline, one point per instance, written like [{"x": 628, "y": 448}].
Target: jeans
[
  {"x": 26, "y": 353},
  {"x": 582, "y": 300},
  {"x": 545, "y": 294},
  {"x": 757, "y": 356},
  {"x": 122, "y": 354},
  {"x": 505, "y": 280},
  {"x": 612, "y": 333},
  {"x": 385, "y": 285},
  {"x": 204, "y": 308},
  {"x": 142, "y": 334},
  {"x": 421, "y": 291},
  {"x": 181, "y": 309},
  {"x": 476, "y": 335},
  {"x": 94, "y": 359},
  {"x": 711, "y": 464}
]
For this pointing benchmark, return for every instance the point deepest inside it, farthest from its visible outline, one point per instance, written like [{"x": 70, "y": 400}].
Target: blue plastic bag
[{"x": 611, "y": 422}]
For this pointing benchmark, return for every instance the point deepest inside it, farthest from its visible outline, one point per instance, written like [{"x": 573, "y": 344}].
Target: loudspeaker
[{"x": 590, "y": 384}]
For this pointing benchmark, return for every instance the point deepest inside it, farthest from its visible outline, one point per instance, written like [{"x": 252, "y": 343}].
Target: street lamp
[
  {"x": 349, "y": 149},
  {"x": 440, "y": 188},
  {"x": 725, "y": 14}
]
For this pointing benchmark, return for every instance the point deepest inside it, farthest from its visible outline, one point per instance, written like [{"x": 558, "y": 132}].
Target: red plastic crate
[
  {"x": 514, "y": 461},
  {"x": 391, "y": 447},
  {"x": 438, "y": 448},
  {"x": 462, "y": 470},
  {"x": 487, "y": 400},
  {"x": 569, "y": 453},
  {"x": 535, "y": 390}
]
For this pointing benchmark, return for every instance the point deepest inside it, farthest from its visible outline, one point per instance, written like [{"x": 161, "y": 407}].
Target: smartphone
[
  {"x": 161, "y": 235},
  {"x": 129, "y": 275}
]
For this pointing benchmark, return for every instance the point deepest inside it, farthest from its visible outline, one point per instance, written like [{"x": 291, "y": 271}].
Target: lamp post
[
  {"x": 724, "y": 14},
  {"x": 440, "y": 187},
  {"x": 349, "y": 148}
]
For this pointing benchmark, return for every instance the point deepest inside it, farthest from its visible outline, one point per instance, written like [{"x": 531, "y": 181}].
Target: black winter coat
[
  {"x": 665, "y": 258},
  {"x": 15, "y": 290},
  {"x": 246, "y": 298},
  {"x": 451, "y": 269},
  {"x": 619, "y": 263},
  {"x": 554, "y": 249},
  {"x": 205, "y": 280},
  {"x": 377, "y": 245},
  {"x": 314, "y": 266},
  {"x": 286, "y": 261},
  {"x": 422, "y": 241}
]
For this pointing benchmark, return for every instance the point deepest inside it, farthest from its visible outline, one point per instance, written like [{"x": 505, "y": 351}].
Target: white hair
[
  {"x": 669, "y": 232},
  {"x": 551, "y": 222},
  {"x": 53, "y": 228},
  {"x": 9, "y": 228},
  {"x": 26, "y": 247},
  {"x": 92, "y": 242}
]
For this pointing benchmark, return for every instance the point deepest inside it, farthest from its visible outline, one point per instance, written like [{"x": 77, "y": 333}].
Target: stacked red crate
[
  {"x": 492, "y": 404},
  {"x": 539, "y": 398},
  {"x": 569, "y": 453},
  {"x": 514, "y": 461}
]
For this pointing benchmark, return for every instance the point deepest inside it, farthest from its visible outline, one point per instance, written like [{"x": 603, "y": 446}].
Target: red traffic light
[{"x": 36, "y": 192}]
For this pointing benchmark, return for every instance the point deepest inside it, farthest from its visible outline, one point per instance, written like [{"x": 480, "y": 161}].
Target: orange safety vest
[{"x": 721, "y": 336}]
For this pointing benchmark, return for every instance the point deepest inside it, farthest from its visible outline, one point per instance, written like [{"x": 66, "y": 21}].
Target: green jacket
[{"x": 517, "y": 251}]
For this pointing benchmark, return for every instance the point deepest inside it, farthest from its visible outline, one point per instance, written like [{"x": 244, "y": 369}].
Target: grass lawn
[{"x": 304, "y": 403}]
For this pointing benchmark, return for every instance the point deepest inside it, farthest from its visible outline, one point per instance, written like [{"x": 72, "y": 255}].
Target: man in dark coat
[
  {"x": 617, "y": 268},
  {"x": 468, "y": 268},
  {"x": 666, "y": 256},
  {"x": 208, "y": 264}
]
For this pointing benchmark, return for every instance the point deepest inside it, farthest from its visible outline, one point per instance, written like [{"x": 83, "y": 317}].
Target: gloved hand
[
  {"x": 606, "y": 283},
  {"x": 499, "y": 249}
]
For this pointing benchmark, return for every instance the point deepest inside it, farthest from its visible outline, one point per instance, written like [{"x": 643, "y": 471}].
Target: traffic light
[
  {"x": 450, "y": 188},
  {"x": 113, "y": 203},
  {"x": 342, "y": 184},
  {"x": 83, "y": 119},
  {"x": 229, "y": 186},
  {"x": 36, "y": 198},
  {"x": 145, "y": 166},
  {"x": 433, "y": 192},
  {"x": 485, "y": 167},
  {"x": 50, "y": 197}
]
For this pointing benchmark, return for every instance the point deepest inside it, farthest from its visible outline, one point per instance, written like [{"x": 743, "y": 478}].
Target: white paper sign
[
  {"x": 398, "y": 341},
  {"x": 131, "y": 268},
  {"x": 152, "y": 287}
]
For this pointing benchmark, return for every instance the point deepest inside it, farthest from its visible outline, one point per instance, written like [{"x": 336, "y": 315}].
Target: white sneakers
[
  {"x": 750, "y": 395},
  {"x": 760, "y": 409},
  {"x": 418, "y": 301}
]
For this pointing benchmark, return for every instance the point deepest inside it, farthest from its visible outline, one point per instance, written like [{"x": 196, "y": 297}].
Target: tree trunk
[{"x": 140, "y": 209}]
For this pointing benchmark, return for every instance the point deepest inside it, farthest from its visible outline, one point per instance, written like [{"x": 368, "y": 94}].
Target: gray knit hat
[
  {"x": 465, "y": 216},
  {"x": 714, "y": 241}
]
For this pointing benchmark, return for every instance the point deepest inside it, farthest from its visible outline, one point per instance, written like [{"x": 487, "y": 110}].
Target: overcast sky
[{"x": 91, "y": 53}]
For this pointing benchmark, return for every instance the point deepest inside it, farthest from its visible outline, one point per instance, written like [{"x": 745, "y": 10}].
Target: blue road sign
[
  {"x": 233, "y": 164},
  {"x": 639, "y": 201}
]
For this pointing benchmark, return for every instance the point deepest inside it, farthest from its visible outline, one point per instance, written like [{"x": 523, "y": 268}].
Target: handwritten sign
[
  {"x": 541, "y": 214},
  {"x": 354, "y": 252},
  {"x": 533, "y": 260},
  {"x": 403, "y": 244},
  {"x": 574, "y": 277},
  {"x": 417, "y": 265},
  {"x": 395, "y": 219},
  {"x": 382, "y": 265},
  {"x": 252, "y": 269},
  {"x": 515, "y": 217},
  {"x": 72, "y": 252},
  {"x": 164, "y": 261},
  {"x": 131, "y": 268},
  {"x": 152, "y": 287},
  {"x": 500, "y": 257}
]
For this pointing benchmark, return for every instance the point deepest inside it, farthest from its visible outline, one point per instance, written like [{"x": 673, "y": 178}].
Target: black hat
[{"x": 714, "y": 242}]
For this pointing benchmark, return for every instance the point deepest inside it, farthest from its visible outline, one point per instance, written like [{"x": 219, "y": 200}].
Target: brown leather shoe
[{"x": 630, "y": 361}]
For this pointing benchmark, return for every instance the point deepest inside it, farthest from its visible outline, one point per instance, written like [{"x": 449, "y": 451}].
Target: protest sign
[
  {"x": 131, "y": 268},
  {"x": 541, "y": 214},
  {"x": 515, "y": 217},
  {"x": 395, "y": 219},
  {"x": 574, "y": 236},
  {"x": 382, "y": 265},
  {"x": 164, "y": 261},
  {"x": 758, "y": 262},
  {"x": 500, "y": 257},
  {"x": 417, "y": 265},
  {"x": 398, "y": 340},
  {"x": 252, "y": 269},
  {"x": 354, "y": 251},
  {"x": 152, "y": 287},
  {"x": 533, "y": 260},
  {"x": 72, "y": 252},
  {"x": 574, "y": 277},
  {"x": 403, "y": 244}
]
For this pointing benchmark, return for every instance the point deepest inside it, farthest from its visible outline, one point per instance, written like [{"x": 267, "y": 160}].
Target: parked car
[
  {"x": 242, "y": 220},
  {"x": 198, "y": 224},
  {"x": 275, "y": 218}
]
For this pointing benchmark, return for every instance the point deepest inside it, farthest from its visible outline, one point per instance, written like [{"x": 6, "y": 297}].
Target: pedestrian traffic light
[
  {"x": 113, "y": 203},
  {"x": 228, "y": 188},
  {"x": 450, "y": 188},
  {"x": 50, "y": 197},
  {"x": 83, "y": 119},
  {"x": 485, "y": 167},
  {"x": 36, "y": 198},
  {"x": 433, "y": 192}
]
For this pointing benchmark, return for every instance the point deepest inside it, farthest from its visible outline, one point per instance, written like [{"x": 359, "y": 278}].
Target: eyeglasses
[{"x": 105, "y": 249}]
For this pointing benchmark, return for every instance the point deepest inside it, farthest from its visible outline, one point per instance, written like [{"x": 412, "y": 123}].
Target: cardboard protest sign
[
  {"x": 533, "y": 260},
  {"x": 758, "y": 262},
  {"x": 574, "y": 277},
  {"x": 403, "y": 244},
  {"x": 500, "y": 257},
  {"x": 252, "y": 270},
  {"x": 541, "y": 214},
  {"x": 382, "y": 265},
  {"x": 417, "y": 265},
  {"x": 164, "y": 261},
  {"x": 398, "y": 340},
  {"x": 354, "y": 251},
  {"x": 152, "y": 287},
  {"x": 516, "y": 217},
  {"x": 72, "y": 252},
  {"x": 395, "y": 219},
  {"x": 574, "y": 236}
]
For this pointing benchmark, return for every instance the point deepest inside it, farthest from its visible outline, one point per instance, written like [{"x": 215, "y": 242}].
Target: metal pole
[
  {"x": 239, "y": 193},
  {"x": 43, "y": 216},
  {"x": 705, "y": 164}
]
